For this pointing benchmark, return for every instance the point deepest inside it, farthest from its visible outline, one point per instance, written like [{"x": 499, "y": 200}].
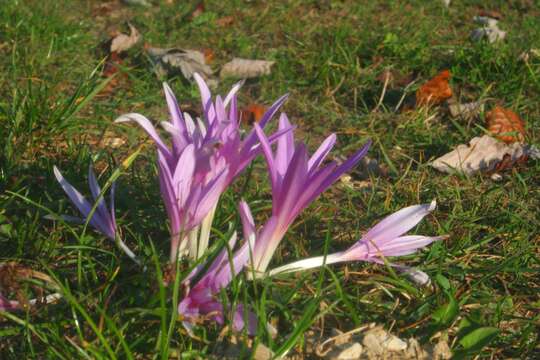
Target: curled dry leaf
[
  {"x": 122, "y": 42},
  {"x": 435, "y": 90},
  {"x": 467, "y": 110},
  {"x": 245, "y": 68},
  {"x": 483, "y": 154},
  {"x": 252, "y": 113},
  {"x": 505, "y": 125},
  {"x": 168, "y": 62}
]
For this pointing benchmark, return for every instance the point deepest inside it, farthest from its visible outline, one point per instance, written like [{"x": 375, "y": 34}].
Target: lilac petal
[
  {"x": 239, "y": 320},
  {"x": 266, "y": 243},
  {"x": 167, "y": 194},
  {"x": 80, "y": 202},
  {"x": 96, "y": 190},
  {"x": 346, "y": 166},
  {"x": 210, "y": 196},
  {"x": 220, "y": 110},
  {"x": 178, "y": 136},
  {"x": 398, "y": 223},
  {"x": 206, "y": 96},
  {"x": 174, "y": 109},
  {"x": 405, "y": 245},
  {"x": 267, "y": 151},
  {"x": 318, "y": 157},
  {"x": 314, "y": 188},
  {"x": 232, "y": 94},
  {"x": 222, "y": 257},
  {"x": 150, "y": 130},
  {"x": 113, "y": 215},
  {"x": 248, "y": 224},
  {"x": 251, "y": 139},
  {"x": 285, "y": 146},
  {"x": 293, "y": 185},
  {"x": 183, "y": 174},
  {"x": 233, "y": 111}
]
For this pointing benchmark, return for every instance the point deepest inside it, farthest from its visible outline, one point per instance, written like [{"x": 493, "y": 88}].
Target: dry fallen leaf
[
  {"x": 167, "y": 62},
  {"x": 435, "y": 90},
  {"x": 483, "y": 154},
  {"x": 467, "y": 111},
  {"x": 245, "y": 68},
  {"x": 252, "y": 113},
  {"x": 122, "y": 42},
  {"x": 505, "y": 125}
]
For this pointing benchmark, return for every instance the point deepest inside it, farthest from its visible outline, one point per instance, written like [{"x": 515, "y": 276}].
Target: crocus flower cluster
[{"x": 206, "y": 156}]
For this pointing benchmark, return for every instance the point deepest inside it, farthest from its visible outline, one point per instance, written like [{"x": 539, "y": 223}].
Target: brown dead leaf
[
  {"x": 168, "y": 62},
  {"x": 252, "y": 113},
  {"x": 225, "y": 21},
  {"x": 435, "y": 90},
  {"x": 484, "y": 154},
  {"x": 505, "y": 125},
  {"x": 246, "y": 68},
  {"x": 122, "y": 42}
]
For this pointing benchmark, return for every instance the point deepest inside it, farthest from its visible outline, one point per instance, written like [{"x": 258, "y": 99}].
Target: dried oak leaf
[
  {"x": 435, "y": 90},
  {"x": 246, "y": 68},
  {"x": 482, "y": 155},
  {"x": 252, "y": 113},
  {"x": 122, "y": 42},
  {"x": 167, "y": 62},
  {"x": 505, "y": 125}
]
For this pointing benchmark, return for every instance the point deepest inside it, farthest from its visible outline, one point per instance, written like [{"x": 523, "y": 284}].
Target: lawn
[{"x": 331, "y": 57}]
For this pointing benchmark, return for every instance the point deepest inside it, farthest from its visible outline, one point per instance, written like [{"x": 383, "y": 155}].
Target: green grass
[{"x": 328, "y": 57}]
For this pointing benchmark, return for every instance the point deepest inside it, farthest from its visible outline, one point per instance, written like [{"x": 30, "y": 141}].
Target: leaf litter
[{"x": 246, "y": 68}]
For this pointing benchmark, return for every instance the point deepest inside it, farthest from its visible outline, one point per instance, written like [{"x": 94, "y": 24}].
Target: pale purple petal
[
  {"x": 267, "y": 151},
  {"x": 150, "y": 130},
  {"x": 183, "y": 174},
  {"x": 174, "y": 109},
  {"x": 285, "y": 146},
  {"x": 318, "y": 157},
  {"x": 398, "y": 223},
  {"x": 405, "y": 245},
  {"x": 96, "y": 190},
  {"x": 80, "y": 202}
]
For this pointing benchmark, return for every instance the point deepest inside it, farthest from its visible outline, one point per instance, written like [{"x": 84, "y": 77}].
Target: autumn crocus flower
[
  {"x": 386, "y": 239},
  {"x": 296, "y": 181},
  {"x": 103, "y": 219},
  {"x": 204, "y": 158}
]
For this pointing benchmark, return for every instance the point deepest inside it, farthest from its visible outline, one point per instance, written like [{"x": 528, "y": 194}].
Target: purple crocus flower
[
  {"x": 205, "y": 157},
  {"x": 385, "y": 239},
  {"x": 103, "y": 220},
  {"x": 296, "y": 181},
  {"x": 201, "y": 301}
]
